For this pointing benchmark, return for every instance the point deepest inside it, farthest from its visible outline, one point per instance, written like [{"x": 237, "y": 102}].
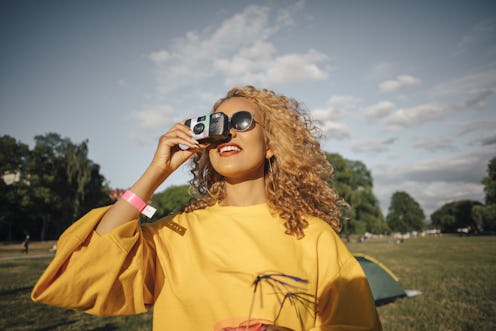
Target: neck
[{"x": 245, "y": 193}]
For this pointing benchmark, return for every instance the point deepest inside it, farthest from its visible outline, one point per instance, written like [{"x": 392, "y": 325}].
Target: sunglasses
[{"x": 242, "y": 121}]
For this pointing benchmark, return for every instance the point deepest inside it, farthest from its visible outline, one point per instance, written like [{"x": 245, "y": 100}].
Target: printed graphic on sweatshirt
[{"x": 289, "y": 290}]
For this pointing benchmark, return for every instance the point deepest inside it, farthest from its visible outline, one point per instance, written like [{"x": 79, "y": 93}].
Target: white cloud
[
  {"x": 335, "y": 130},
  {"x": 434, "y": 182},
  {"x": 155, "y": 117},
  {"x": 415, "y": 116},
  {"x": 479, "y": 98},
  {"x": 475, "y": 89},
  {"x": 208, "y": 98},
  {"x": 489, "y": 140},
  {"x": 328, "y": 114},
  {"x": 472, "y": 126},
  {"x": 257, "y": 65},
  {"x": 430, "y": 196},
  {"x": 399, "y": 83},
  {"x": 436, "y": 144},
  {"x": 481, "y": 80},
  {"x": 463, "y": 168},
  {"x": 240, "y": 30},
  {"x": 336, "y": 108},
  {"x": 483, "y": 32},
  {"x": 285, "y": 15},
  {"x": 379, "y": 110},
  {"x": 344, "y": 101},
  {"x": 382, "y": 70},
  {"x": 160, "y": 57},
  {"x": 292, "y": 68},
  {"x": 247, "y": 61},
  {"x": 190, "y": 59},
  {"x": 139, "y": 140},
  {"x": 239, "y": 49},
  {"x": 372, "y": 146}
]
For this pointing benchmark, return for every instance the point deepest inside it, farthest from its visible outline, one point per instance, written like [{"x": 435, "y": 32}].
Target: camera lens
[{"x": 198, "y": 128}]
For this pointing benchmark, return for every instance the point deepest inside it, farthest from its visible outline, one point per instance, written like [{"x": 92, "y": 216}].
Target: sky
[{"x": 406, "y": 87}]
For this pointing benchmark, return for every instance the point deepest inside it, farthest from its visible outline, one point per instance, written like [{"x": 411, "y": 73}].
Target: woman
[{"x": 258, "y": 250}]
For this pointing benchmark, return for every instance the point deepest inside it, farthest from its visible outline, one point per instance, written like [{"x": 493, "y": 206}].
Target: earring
[{"x": 271, "y": 174}]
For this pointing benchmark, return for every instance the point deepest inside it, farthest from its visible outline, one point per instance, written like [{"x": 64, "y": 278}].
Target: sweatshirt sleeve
[
  {"x": 112, "y": 274},
  {"x": 345, "y": 301}
]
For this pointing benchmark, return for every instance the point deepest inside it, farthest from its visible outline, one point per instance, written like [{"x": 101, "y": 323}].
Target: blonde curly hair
[{"x": 295, "y": 176}]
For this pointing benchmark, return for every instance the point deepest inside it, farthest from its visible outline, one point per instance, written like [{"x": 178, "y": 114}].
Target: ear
[{"x": 269, "y": 153}]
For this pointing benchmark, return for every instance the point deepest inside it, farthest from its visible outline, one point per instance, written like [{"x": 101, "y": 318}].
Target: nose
[
  {"x": 232, "y": 133},
  {"x": 228, "y": 138}
]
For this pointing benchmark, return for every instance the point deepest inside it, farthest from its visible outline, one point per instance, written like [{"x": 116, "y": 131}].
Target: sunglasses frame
[{"x": 252, "y": 120}]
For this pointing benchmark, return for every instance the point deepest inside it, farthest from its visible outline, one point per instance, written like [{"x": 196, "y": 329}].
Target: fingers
[
  {"x": 180, "y": 135},
  {"x": 168, "y": 155}
]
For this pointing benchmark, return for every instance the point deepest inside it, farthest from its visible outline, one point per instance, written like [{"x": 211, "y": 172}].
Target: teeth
[{"x": 229, "y": 149}]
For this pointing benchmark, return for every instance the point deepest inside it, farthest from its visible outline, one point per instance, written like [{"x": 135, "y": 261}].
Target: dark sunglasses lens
[{"x": 241, "y": 120}]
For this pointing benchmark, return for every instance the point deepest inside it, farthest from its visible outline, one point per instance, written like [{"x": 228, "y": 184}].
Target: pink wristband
[{"x": 138, "y": 203}]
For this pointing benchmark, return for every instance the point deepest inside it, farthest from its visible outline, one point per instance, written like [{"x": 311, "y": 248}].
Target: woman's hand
[{"x": 168, "y": 156}]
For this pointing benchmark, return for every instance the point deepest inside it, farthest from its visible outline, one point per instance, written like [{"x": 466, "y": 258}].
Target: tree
[
  {"x": 353, "y": 182},
  {"x": 13, "y": 155},
  {"x": 49, "y": 194},
  {"x": 485, "y": 215},
  {"x": 64, "y": 183},
  {"x": 490, "y": 182},
  {"x": 171, "y": 200},
  {"x": 404, "y": 214},
  {"x": 87, "y": 185},
  {"x": 45, "y": 189},
  {"x": 455, "y": 215},
  {"x": 13, "y": 188}
]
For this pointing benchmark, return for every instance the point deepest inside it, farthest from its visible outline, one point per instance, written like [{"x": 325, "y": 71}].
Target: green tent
[{"x": 383, "y": 283}]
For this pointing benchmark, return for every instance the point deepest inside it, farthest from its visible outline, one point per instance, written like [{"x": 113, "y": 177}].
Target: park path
[{"x": 19, "y": 257}]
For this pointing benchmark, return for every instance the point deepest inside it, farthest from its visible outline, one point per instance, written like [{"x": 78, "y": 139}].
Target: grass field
[{"x": 455, "y": 274}]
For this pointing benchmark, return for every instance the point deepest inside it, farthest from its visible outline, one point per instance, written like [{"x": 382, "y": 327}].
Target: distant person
[
  {"x": 257, "y": 250},
  {"x": 26, "y": 243}
]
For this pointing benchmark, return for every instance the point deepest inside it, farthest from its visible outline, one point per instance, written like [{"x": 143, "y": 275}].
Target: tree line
[
  {"x": 353, "y": 181},
  {"x": 48, "y": 187},
  {"x": 472, "y": 216}
]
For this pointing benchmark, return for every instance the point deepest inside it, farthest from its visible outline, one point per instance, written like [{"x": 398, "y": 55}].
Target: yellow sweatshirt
[{"x": 211, "y": 269}]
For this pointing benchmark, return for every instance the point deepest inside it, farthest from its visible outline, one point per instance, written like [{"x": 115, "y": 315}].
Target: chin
[
  {"x": 227, "y": 171},
  {"x": 237, "y": 169}
]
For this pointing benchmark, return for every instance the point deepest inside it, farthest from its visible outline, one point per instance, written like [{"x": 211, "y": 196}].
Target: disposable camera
[{"x": 209, "y": 128}]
